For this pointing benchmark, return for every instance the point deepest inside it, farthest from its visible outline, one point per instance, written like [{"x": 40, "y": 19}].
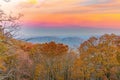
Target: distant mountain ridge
[{"x": 70, "y": 41}]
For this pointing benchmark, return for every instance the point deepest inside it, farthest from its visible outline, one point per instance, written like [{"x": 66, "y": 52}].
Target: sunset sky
[{"x": 66, "y": 17}]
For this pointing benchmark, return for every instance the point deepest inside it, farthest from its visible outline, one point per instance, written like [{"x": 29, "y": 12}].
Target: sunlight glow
[{"x": 33, "y": 1}]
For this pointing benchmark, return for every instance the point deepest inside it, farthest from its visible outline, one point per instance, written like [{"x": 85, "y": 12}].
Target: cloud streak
[
  {"x": 74, "y": 6},
  {"x": 78, "y": 13}
]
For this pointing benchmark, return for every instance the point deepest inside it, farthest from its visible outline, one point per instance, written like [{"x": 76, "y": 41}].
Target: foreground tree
[
  {"x": 99, "y": 58},
  {"x": 8, "y": 56}
]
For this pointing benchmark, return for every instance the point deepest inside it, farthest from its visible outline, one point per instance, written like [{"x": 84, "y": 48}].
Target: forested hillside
[{"x": 96, "y": 59}]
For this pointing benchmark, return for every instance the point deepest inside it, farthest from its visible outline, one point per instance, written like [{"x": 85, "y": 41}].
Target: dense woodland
[{"x": 94, "y": 59}]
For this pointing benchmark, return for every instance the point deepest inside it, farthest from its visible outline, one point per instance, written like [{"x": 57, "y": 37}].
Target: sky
[{"x": 66, "y": 17}]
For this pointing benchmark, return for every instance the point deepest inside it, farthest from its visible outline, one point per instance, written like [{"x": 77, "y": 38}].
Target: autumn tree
[
  {"x": 8, "y": 27},
  {"x": 51, "y": 55},
  {"x": 99, "y": 57},
  {"x": 48, "y": 59}
]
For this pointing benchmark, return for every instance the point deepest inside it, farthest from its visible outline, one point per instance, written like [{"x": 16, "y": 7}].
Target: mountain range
[{"x": 70, "y": 41}]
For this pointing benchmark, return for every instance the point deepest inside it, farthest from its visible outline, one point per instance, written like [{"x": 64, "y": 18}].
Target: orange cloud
[
  {"x": 100, "y": 13},
  {"x": 72, "y": 6}
]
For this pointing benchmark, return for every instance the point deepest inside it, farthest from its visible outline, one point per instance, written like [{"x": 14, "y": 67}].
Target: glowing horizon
[
  {"x": 57, "y": 13},
  {"x": 104, "y": 14},
  {"x": 80, "y": 13},
  {"x": 76, "y": 20}
]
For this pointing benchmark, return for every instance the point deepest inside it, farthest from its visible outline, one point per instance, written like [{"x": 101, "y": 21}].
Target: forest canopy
[{"x": 96, "y": 58}]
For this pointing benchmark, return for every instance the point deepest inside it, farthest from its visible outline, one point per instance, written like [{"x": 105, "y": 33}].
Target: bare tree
[{"x": 9, "y": 24}]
